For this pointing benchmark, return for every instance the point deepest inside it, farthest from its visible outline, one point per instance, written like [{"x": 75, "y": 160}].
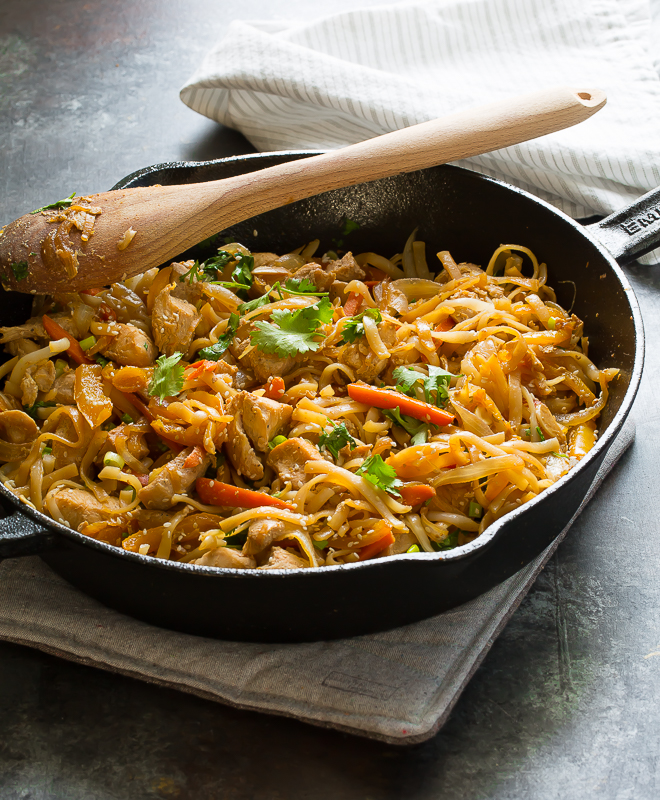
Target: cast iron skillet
[{"x": 455, "y": 209}]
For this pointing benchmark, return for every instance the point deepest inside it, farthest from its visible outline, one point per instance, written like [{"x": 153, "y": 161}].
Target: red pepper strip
[
  {"x": 275, "y": 388},
  {"x": 215, "y": 493},
  {"x": 414, "y": 494},
  {"x": 387, "y": 398},
  {"x": 352, "y": 305},
  {"x": 198, "y": 368},
  {"x": 444, "y": 326},
  {"x": 375, "y": 274},
  {"x": 139, "y": 405},
  {"x": 378, "y": 546},
  {"x": 56, "y": 331}
]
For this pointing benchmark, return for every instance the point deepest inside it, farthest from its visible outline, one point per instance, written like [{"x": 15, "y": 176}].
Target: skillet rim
[{"x": 47, "y": 524}]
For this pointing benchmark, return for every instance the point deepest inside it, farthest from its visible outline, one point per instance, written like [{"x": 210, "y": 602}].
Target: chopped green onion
[
  {"x": 102, "y": 361},
  {"x": 414, "y": 548},
  {"x": 60, "y": 366},
  {"x": 277, "y": 440},
  {"x": 127, "y": 418},
  {"x": 540, "y": 433},
  {"x": 475, "y": 510},
  {"x": 559, "y": 455},
  {"x": 90, "y": 341},
  {"x": 46, "y": 451},
  {"x": 528, "y": 432},
  {"x": 551, "y": 323},
  {"x": 321, "y": 545},
  {"x": 111, "y": 459}
]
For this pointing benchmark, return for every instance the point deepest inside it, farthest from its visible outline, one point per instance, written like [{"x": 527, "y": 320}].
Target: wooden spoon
[{"x": 46, "y": 252}]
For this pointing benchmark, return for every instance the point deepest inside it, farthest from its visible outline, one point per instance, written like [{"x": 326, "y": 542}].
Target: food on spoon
[{"x": 267, "y": 412}]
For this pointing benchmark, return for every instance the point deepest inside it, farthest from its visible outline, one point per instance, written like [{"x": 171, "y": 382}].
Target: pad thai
[{"x": 265, "y": 411}]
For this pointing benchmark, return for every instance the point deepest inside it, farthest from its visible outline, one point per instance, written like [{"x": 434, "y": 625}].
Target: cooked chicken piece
[
  {"x": 548, "y": 423},
  {"x": 17, "y": 427},
  {"x": 289, "y": 458},
  {"x": 79, "y": 507},
  {"x": 37, "y": 378},
  {"x": 131, "y": 347},
  {"x": 29, "y": 390},
  {"x": 135, "y": 443},
  {"x": 263, "y": 532},
  {"x": 8, "y": 402},
  {"x": 185, "y": 288},
  {"x": 316, "y": 275},
  {"x": 240, "y": 451},
  {"x": 346, "y": 269},
  {"x": 263, "y": 365},
  {"x": 21, "y": 347},
  {"x": 284, "y": 559},
  {"x": 225, "y": 558},
  {"x": 362, "y": 359},
  {"x": 263, "y": 419},
  {"x": 64, "y": 388},
  {"x": 151, "y": 517},
  {"x": 34, "y": 328},
  {"x": 176, "y": 477},
  {"x": 64, "y": 453},
  {"x": 173, "y": 322}
]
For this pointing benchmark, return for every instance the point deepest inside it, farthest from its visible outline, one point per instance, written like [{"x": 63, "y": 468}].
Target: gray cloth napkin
[{"x": 398, "y": 686}]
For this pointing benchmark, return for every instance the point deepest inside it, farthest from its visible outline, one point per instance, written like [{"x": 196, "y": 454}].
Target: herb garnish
[
  {"x": 292, "y": 332},
  {"x": 438, "y": 381},
  {"x": 20, "y": 270},
  {"x": 58, "y": 204},
  {"x": 215, "y": 351},
  {"x": 31, "y": 411},
  {"x": 382, "y": 475},
  {"x": 418, "y": 430},
  {"x": 168, "y": 377},
  {"x": 354, "y": 328},
  {"x": 337, "y": 438}
]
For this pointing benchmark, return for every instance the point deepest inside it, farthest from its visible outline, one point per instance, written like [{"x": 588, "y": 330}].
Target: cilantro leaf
[
  {"x": 418, "y": 430},
  {"x": 245, "y": 308},
  {"x": 438, "y": 381},
  {"x": 375, "y": 470},
  {"x": 20, "y": 270},
  {"x": 32, "y": 410},
  {"x": 292, "y": 332},
  {"x": 336, "y": 439},
  {"x": 58, "y": 204},
  {"x": 208, "y": 270},
  {"x": 242, "y": 272},
  {"x": 301, "y": 286},
  {"x": 168, "y": 377},
  {"x": 349, "y": 226},
  {"x": 354, "y": 328},
  {"x": 215, "y": 351}
]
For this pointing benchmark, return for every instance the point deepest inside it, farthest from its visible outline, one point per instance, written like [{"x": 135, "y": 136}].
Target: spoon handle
[{"x": 167, "y": 220}]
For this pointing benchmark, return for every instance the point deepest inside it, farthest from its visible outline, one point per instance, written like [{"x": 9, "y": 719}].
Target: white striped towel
[{"x": 329, "y": 82}]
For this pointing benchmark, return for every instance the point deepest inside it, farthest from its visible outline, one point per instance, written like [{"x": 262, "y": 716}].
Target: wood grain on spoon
[{"x": 38, "y": 255}]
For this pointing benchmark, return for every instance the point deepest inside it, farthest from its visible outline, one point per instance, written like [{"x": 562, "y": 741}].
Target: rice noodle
[{"x": 514, "y": 392}]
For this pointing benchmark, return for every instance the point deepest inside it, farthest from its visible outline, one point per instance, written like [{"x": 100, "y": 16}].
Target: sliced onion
[{"x": 417, "y": 288}]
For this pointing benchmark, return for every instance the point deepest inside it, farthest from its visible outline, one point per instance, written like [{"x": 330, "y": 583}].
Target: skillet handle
[
  {"x": 20, "y": 536},
  {"x": 631, "y": 231}
]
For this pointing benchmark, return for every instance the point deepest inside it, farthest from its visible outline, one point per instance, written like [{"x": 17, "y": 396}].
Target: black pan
[{"x": 455, "y": 209}]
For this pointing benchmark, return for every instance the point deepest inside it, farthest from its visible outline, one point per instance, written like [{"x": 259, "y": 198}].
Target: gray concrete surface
[{"x": 564, "y": 706}]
